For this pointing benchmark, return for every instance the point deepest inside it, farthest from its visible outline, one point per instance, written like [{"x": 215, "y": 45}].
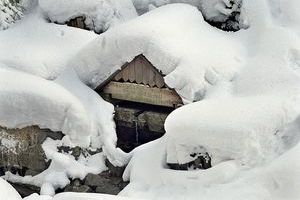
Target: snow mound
[
  {"x": 41, "y": 48},
  {"x": 99, "y": 14},
  {"x": 7, "y": 192},
  {"x": 224, "y": 14},
  {"x": 240, "y": 119},
  {"x": 249, "y": 125},
  {"x": 277, "y": 180},
  {"x": 54, "y": 107},
  {"x": 65, "y": 105},
  {"x": 176, "y": 40},
  {"x": 230, "y": 130}
]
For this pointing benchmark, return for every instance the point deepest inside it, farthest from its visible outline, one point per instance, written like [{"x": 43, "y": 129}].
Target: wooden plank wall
[
  {"x": 143, "y": 94},
  {"x": 78, "y": 22},
  {"x": 141, "y": 71}
]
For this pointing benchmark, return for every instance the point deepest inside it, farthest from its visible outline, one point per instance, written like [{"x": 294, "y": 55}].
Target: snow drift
[
  {"x": 41, "y": 48},
  {"x": 249, "y": 125}
]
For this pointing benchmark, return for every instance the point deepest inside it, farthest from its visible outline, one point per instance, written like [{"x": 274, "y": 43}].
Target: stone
[
  {"x": 95, "y": 180},
  {"x": 25, "y": 190},
  {"x": 76, "y": 152},
  {"x": 22, "y": 148},
  {"x": 156, "y": 121},
  {"x": 31, "y": 172},
  {"x": 201, "y": 161},
  {"x": 114, "y": 170},
  {"x": 126, "y": 116},
  {"x": 81, "y": 188},
  {"x": 108, "y": 189},
  {"x": 76, "y": 185}
]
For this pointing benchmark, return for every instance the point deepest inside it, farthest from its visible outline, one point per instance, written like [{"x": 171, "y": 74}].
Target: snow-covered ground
[{"x": 247, "y": 119}]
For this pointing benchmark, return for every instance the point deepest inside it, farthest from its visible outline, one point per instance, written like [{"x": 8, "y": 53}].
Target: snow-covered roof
[{"x": 175, "y": 39}]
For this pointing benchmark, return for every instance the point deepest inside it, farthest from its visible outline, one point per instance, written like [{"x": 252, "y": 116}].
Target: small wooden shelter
[{"x": 139, "y": 81}]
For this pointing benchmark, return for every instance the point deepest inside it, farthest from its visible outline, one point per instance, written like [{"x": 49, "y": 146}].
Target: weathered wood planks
[
  {"x": 141, "y": 71},
  {"x": 143, "y": 94}
]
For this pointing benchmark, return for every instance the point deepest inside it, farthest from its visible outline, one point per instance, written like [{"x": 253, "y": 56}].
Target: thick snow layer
[
  {"x": 248, "y": 120},
  {"x": 240, "y": 119},
  {"x": 7, "y": 192},
  {"x": 229, "y": 130},
  {"x": 64, "y": 105},
  {"x": 54, "y": 107},
  {"x": 276, "y": 180},
  {"x": 213, "y": 10},
  {"x": 41, "y": 48},
  {"x": 176, "y": 40},
  {"x": 99, "y": 14},
  {"x": 249, "y": 125}
]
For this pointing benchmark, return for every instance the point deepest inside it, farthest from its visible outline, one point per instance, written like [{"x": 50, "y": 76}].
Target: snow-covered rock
[
  {"x": 99, "y": 14},
  {"x": 225, "y": 14},
  {"x": 65, "y": 105}
]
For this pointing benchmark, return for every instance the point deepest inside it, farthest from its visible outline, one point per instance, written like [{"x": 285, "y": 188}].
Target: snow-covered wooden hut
[
  {"x": 139, "y": 81},
  {"x": 142, "y": 99},
  {"x": 151, "y": 64}
]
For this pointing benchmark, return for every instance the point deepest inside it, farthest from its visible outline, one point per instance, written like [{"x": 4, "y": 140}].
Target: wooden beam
[{"x": 143, "y": 94}]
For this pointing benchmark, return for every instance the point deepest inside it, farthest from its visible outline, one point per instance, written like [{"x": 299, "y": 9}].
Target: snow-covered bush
[
  {"x": 99, "y": 14},
  {"x": 224, "y": 14},
  {"x": 10, "y": 11}
]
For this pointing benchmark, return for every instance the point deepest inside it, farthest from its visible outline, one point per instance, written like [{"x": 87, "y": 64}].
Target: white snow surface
[
  {"x": 41, "y": 48},
  {"x": 99, "y": 14},
  {"x": 7, "y": 192},
  {"x": 248, "y": 119},
  {"x": 176, "y": 40},
  {"x": 249, "y": 125},
  {"x": 213, "y": 10}
]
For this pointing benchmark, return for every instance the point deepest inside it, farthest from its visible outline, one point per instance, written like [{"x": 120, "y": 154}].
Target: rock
[
  {"x": 202, "y": 161},
  {"x": 22, "y": 147},
  {"x": 94, "y": 180},
  {"x": 108, "y": 189},
  {"x": 114, "y": 171},
  {"x": 81, "y": 188},
  {"x": 105, "y": 183},
  {"x": 126, "y": 116},
  {"x": 76, "y": 152},
  {"x": 25, "y": 189},
  {"x": 156, "y": 121},
  {"x": 31, "y": 172},
  {"x": 76, "y": 185}
]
